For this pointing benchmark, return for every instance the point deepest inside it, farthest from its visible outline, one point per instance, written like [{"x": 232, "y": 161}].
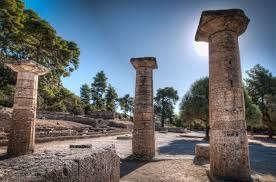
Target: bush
[
  {"x": 6, "y": 96},
  {"x": 57, "y": 107}
]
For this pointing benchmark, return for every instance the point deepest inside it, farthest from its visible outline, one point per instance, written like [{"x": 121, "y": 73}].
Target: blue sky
[{"x": 110, "y": 32}]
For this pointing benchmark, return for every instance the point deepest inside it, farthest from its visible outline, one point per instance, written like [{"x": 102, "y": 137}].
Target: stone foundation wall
[
  {"x": 88, "y": 164},
  {"x": 103, "y": 115},
  {"x": 6, "y": 115},
  {"x": 99, "y": 127},
  {"x": 66, "y": 116},
  {"x": 46, "y": 138}
]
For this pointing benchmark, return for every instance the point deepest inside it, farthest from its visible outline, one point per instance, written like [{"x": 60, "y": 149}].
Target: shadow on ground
[
  {"x": 262, "y": 158},
  {"x": 179, "y": 147},
  {"x": 127, "y": 166}
]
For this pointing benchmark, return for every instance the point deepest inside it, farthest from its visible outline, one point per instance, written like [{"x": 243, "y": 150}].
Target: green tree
[
  {"x": 85, "y": 94},
  {"x": 12, "y": 17},
  {"x": 126, "y": 104},
  {"x": 261, "y": 84},
  {"x": 6, "y": 95},
  {"x": 98, "y": 89},
  {"x": 111, "y": 97},
  {"x": 194, "y": 105},
  {"x": 164, "y": 104},
  {"x": 253, "y": 114},
  {"x": 270, "y": 103},
  {"x": 61, "y": 99},
  {"x": 24, "y": 35}
]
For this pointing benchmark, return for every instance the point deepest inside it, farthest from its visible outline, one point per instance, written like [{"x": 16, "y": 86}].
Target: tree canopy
[
  {"x": 253, "y": 114},
  {"x": 98, "y": 90},
  {"x": 194, "y": 105},
  {"x": 111, "y": 98},
  {"x": 99, "y": 97},
  {"x": 261, "y": 87},
  {"x": 25, "y": 36},
  {"x": 85, "y": 94},
  {"x": 164, "y": 104},
  {"x": 126, "y": 104}
]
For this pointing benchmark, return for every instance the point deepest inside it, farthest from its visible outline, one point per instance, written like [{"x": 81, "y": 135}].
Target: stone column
[
  {"x": 143, "y": 141},
  {"x": 22, "y": 130},
  {"x": 228, "y": 140}
]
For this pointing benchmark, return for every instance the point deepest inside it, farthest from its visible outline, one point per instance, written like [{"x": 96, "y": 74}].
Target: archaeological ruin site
[{"x": 143, "y": 140}]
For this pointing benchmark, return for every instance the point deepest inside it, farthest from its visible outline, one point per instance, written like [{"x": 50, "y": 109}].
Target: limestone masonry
[
  {"x": 143, "y": 142},
  {"x": 202, "y": 153},
  {"x": 228, "y": 139},
  {"x": 71, "y": 165},
  {"x": 22, "y": 129}
]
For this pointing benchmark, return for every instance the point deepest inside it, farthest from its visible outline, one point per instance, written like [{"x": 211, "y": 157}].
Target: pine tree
[
  {"x": 98, "y": 89},
  {"x": 85, "y": 94},
  {"x": 110, "y": 98}
]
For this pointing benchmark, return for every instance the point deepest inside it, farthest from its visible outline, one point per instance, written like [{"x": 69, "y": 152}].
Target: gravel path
[{"x": 173, "y": 160}]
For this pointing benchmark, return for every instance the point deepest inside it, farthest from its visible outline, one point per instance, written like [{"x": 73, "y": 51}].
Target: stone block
[
  {"x": 202, "y": 154},
  {"x": 72, "y": 165}
]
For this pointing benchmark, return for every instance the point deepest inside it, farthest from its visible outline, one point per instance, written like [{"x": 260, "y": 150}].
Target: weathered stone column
[
  {"x": 143, "y": 141},
  {"x": 228, "y": 139},
  {"x": 22, "y": 131}
]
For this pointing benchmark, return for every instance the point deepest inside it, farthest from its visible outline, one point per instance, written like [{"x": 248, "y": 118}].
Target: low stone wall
[
  {"x": 97, "y": 125},
  {"x": 78, "y": 164},
  {"x": 67, "y": 117},
  {"x": 95, "y": 119},
  {"x": 170, "y": 129},
  {"x": 119, "y": 124},
  {"x": 41, "y": 138},
  {"x": 102, "y": 114}
]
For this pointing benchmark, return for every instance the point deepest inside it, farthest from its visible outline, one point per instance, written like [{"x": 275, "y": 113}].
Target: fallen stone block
[
  {"x": 71, "y": 165},
  {"x": 202, "y": 154},
  {"x": 125, "y": 137}
]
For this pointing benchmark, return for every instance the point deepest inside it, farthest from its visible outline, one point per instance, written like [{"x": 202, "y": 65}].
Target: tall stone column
[
  {"x": 22, "y": 130},
  {"x": 143, "y": 142},
  {"x": 228, "y": 140}
]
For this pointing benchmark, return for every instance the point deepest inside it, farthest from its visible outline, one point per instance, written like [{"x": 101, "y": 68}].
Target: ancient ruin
[
  {"x": 228, "y": 139},
  {"x": 22, "y": 130},
  {"x": 73, "y": 164},
  {"x": 143, "y": 142},
  {"x": 202, "y": 153}
]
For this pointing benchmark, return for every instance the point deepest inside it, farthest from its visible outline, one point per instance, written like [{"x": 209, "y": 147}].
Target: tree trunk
[
  {"x": 252, "y": 131},
  {"x": 207, "y": 133},
  {"x": 268, "y": 122},
  {"x": 270, "y": 132},
  {"x": 162, "y": 122}
]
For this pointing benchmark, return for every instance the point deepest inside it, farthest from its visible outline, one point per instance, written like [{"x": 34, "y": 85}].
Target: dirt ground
[{"x": 174, "y": 155}]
